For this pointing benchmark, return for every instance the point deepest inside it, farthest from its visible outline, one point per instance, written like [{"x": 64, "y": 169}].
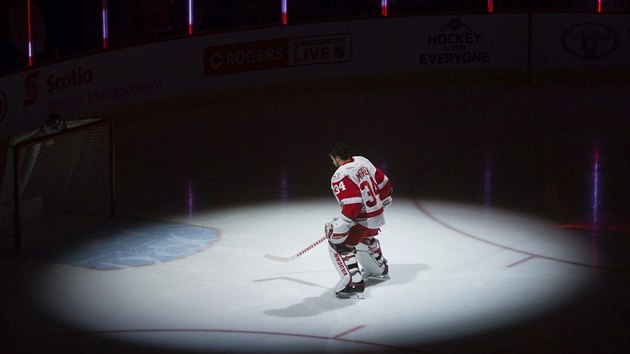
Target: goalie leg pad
[
  {"x": 345, "y": 261},
  {"x": 371, "y": 258}
]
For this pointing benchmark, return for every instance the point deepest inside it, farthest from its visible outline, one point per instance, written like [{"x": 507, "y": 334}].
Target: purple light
[
  {"x": 190, "y": 17},
  {"x": 384, "y": 7},
  {"x": 284, "y": 184},
  {"x": 105, "y": 24},
  {"x": 283, "y": 9},
  {"x": 30, "y": 53},
  {"x": 384, "y": 167},
  {"x": 487, "y": 180},
  {"x": 190, "y": 200},
  {"x": 30, "y": 35}
]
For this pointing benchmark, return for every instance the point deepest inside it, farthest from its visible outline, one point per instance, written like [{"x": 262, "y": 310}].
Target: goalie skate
[
  {"x": 384, "y": 276},
  {"x": 352, "y": 291},
  {"x": 381, "y": 277}
]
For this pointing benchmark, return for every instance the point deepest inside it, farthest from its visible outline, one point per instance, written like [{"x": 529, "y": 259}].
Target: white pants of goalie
[{"x": 347, "y": 260}]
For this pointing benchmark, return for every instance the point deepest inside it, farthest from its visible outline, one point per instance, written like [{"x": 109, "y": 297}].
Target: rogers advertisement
[{"x": 277, "y": 53}]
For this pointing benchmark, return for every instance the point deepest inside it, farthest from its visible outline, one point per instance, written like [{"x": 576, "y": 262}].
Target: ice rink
[{"x": 479, "y": 261}]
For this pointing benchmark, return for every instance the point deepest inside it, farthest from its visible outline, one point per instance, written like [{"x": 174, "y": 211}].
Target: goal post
[{"x": 65, "y": 167}]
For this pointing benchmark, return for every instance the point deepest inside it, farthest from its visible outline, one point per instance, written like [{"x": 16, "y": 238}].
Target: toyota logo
[{"x": 590, "y": 41}]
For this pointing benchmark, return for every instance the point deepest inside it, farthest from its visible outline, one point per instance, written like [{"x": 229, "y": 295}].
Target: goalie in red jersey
[{"x": 362, "y": 191}]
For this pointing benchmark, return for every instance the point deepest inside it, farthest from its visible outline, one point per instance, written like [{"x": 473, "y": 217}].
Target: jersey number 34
[{"x": 369, "y": 187}]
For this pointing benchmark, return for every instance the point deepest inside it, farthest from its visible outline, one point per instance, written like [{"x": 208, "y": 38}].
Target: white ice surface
[{"x": 455, "y": 270}]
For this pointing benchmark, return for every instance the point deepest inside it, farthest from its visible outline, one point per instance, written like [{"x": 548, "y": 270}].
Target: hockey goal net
[{"x": 63, "y": 168}]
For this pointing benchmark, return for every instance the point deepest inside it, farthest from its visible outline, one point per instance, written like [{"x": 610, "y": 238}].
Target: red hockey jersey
[{"x": 360, "y": 187}]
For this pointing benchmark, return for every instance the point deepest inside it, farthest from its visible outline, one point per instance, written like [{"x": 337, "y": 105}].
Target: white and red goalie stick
[{"x": 295, "y": 256}]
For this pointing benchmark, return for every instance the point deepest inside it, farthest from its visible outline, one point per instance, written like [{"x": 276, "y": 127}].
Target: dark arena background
[{"x": 152, "y": 152}]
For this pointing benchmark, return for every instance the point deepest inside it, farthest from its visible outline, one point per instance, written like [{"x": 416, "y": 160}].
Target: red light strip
[
  {"x": 283, "y": 9},
  {"x": 30, "y": 35}
]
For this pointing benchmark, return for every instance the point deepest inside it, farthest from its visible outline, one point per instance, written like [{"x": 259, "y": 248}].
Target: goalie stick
[{"x": 295, "y": 256}]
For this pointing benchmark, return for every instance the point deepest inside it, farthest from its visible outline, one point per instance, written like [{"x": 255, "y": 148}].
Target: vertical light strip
[
  {"x": 284, "y": 184},
  {"x": 490, "y": 6},
  {"x": 384, "y": 8},
  {"x": 283, "y": 9},
  {"x": 595, "y": 226},
  {"x": 595, "y": 189},
  {"x": 105, "y": 24},
  {"x": 191, "y": 200},
  {"x": 30, "y": 35},
  {"x": 487, "y": 179},
  {"x": 190, "y": 17},
  {"x": 599, "y": 5}
]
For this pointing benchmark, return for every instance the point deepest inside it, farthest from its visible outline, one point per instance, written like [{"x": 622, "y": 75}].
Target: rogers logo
[
  {"x": 30, "y": 89},
  {"x": 590, "y": 41},
  {"x": 4, "y": 105},
  {"x": 243, "y": 57},
  {"x": 77, "y": 77},
  {"x": 215, "y": 61}
]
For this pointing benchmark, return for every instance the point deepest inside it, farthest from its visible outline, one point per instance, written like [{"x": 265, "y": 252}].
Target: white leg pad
[
  {"x": 346, "y": 265},
  {"x": 370, "y": 256}
]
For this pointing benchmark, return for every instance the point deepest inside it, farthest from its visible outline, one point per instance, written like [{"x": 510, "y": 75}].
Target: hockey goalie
[{"x": 362, "y": 191}]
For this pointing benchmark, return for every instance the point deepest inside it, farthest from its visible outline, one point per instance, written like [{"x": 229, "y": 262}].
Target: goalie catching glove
[{"x": 337, "y": 230}]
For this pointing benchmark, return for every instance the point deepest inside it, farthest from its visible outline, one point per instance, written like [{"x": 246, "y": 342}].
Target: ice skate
[
  {"x": 352, "y": 291},
  {"x": 382, "y": 276}
]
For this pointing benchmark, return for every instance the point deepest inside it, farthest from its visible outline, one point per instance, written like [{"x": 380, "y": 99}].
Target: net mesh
[{"x": 64, "y": 169}]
